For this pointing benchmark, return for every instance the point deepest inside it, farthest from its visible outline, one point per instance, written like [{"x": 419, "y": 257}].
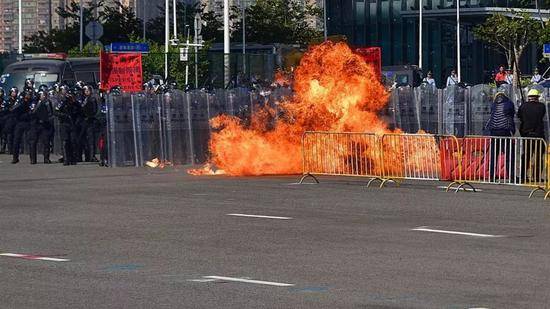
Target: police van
[{"x": 48, "y": 69}]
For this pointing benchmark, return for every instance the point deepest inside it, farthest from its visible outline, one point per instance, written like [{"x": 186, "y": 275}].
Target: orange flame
[{"x": 334, "y": 90}]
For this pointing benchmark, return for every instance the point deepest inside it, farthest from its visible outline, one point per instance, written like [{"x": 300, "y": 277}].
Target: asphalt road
[{"x": 144, "y": 238}]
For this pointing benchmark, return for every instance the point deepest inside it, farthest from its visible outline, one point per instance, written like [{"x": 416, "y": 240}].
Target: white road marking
[
  {"x": 425, "y": 229},
  {"x": 202, "y": 280},
  {"x": 248, "y": 281},
  {"x": 33, "y": 257},
  {"x": 304, "y": 183},
  {"x": 260, "y": 216}
]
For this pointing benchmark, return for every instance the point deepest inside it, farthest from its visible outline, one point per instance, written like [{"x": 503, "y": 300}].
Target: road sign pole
[{"x": 81, "y": 26}]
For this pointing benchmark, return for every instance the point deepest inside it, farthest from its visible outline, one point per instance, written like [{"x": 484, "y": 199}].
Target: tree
[
  {"x": 211, "y": 28},
  {"x": 186, "y": 13},
  {"x": 279, "y": 21},
  {"x": 510, "y": 36},
  {"x": 119, "y": 24}
]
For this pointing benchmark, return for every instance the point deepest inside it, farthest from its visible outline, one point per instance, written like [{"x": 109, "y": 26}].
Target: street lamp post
[
  {"x": 420, "y": 36},
  {"x": 325, "y": 19},
  {"x": 166, "y": 36},
  {"x": 175, "y": 22},
  {"x": 226, "y": 46},
  {"x": 81, "y": 26},
  {"x": 143, "y": 16},
  {"x": 196, "y": 41},
  {"x": 20, "y": 50},
  {"x": 458, "y": 40},
  {"x": 244, "y": 36}
]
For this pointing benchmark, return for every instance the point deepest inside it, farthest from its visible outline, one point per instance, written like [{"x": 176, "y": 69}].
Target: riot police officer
[
  {"x": 22, "y": 113},
  {"x": 29, "y": 85},
  {"x": 67, "y": 111},
  {"x": 41, "y": 127},
  {"x": 10, "y": 118},
  {"x": 4, "y": 110},
  {"x": 89, "y": 124}
]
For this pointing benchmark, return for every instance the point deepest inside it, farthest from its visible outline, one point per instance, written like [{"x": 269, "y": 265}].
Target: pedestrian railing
[
  {"x": 341, "y": 154},
  {"x": 385, "y": 158},
  {"x": 519, "y": 161}
]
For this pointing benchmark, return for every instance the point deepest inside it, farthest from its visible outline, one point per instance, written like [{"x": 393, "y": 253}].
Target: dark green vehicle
[{"x": 48, "y": 69}]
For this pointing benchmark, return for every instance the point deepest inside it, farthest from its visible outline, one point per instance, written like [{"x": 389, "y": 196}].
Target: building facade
[
  {"x": 41, "y": 15},
  {"x": 36, "y": 15},
  {"x": 393, "y": 26}
]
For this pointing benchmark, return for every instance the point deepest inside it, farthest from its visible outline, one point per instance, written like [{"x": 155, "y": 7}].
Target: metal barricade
[
  {"x": 422, "y": 157},
  {"x": 341, "y": 154},
  {"x": 520, "y": 161}
]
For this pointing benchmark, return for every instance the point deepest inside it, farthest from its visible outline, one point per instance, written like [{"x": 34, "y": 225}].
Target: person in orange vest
[{"x": 501, "y": 77}]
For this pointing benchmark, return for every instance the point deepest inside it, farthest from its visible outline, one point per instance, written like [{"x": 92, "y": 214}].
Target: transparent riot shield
[
  {"x": 481, "y": 98},
  {"x": 122, "y": 137},
  {"x": 453, "y": 110},
  {"x": 427, "y": 101},
  {"x": 200, "y": 111},
  {"x": 177, "y": 130},
  {"x": 406, "y": 110}
]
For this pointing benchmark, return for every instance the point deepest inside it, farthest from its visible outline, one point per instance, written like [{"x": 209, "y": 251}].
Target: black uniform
[
  {"x": 68, "y": 112},
  {"x": 531, "y": 115},
  {"x": 41, "y": 129},
  {"x": 22, "y": 113},
  {"x": 4, "y": 111},
  {"x": 89, "y": 126},
  {"x": 10, "y": 120}
]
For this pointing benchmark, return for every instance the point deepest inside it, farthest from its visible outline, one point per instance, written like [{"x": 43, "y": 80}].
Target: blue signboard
[
  {"x": 129, "y": 47},
  {"x": 546, "y": 48}
]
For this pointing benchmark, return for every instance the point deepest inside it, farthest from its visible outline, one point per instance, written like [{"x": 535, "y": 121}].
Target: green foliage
[
  {"x": 153, "y": 63},
  {"x": 89, "y": 50},
  {"x": 119, "y": 24},
  {"x": 510, "y": 36},
  {"x": 185, "y": 12},
  {"x": 279, "y": 21}
]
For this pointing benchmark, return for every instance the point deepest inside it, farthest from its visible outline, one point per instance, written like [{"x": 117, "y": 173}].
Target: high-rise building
[
  {"x": 36, "y": 15},
  {"x": 41, "y": 15}
]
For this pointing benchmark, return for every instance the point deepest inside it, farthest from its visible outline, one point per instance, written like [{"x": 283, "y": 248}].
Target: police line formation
[{"x": 30, "y": 114}]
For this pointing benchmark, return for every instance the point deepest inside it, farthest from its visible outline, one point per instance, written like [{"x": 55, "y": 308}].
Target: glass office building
[{"x": 393, "y": 26}]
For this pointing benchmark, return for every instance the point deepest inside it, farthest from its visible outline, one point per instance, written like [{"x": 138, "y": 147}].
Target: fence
[
  {"x": 519, "y": 161},
  {"x": 173, "y": 127},
  {"x": 454, "y": 110}
]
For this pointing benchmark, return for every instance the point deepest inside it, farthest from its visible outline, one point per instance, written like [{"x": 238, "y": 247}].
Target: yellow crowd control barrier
[
  {"x": 384, "y": 158},
  {"x": 341, "y": 154},
  {"x": 519, "y": 161}
]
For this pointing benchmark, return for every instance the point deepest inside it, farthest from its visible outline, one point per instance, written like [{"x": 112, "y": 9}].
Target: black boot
[
  {"x": 32, "y": 154},
  {"x": 15, "y": 160},
  {"x": 66, "y": 153}
]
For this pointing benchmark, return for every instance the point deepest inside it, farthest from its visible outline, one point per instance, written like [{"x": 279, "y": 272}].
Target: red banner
[
  {"x": 372, "y": 56},
  {"x": 122, "y": 70}
]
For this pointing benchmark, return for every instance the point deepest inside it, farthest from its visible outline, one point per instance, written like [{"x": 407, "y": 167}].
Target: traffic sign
[
  {"x": 184, "y": 54},
  {"x": 546, "y": 50},
  {"x": 129, "y": 47},
  {"x": 94, "y": 30}
]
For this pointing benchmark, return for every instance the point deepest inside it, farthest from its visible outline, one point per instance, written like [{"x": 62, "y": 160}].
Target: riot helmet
[{"x": 13, "y": 92}]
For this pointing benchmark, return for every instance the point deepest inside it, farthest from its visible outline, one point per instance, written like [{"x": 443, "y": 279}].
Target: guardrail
[
  {"x": 519, "y": 161},
  {"x": 392, "y": 157}
]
